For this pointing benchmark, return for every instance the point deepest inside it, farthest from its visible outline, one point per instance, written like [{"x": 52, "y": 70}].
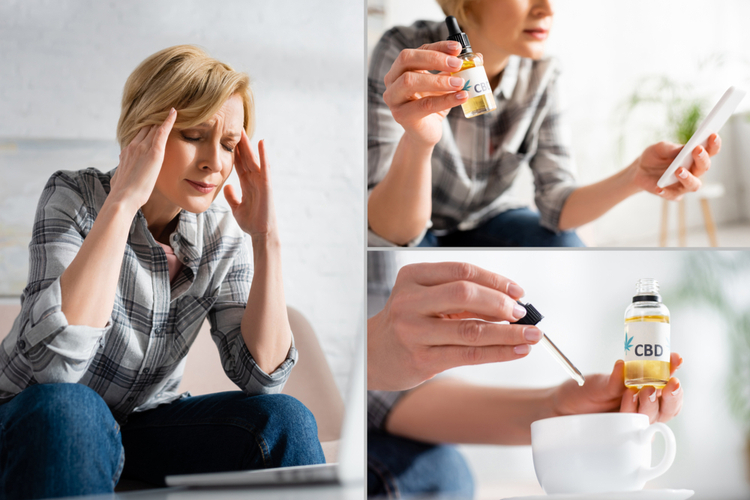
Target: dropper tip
[{"x": 453, "y": 28}]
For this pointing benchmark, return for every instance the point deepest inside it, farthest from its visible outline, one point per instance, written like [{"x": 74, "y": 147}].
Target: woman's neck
[
  {"x": 162, "y": 217},
  {"x": 495, "y": 60}
]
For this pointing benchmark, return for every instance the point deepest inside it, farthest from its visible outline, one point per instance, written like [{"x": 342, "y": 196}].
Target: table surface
[{"x": 292, "y": 492}]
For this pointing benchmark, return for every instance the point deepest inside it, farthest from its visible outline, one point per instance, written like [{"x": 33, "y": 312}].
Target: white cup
[{"x": 597, "y": 453}]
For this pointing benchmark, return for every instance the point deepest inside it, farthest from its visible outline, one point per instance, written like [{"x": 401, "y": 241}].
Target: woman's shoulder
[
  {"x": 535, "y": 76},
  {"x": 87, "y": 186}
]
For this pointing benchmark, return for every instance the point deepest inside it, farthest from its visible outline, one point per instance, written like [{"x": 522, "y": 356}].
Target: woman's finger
[
  {"x": 231, "y": 196},
  {"x": 687, "y": 182},
  {"x": 431, "y": 274},
  {"x": 675, "y": 361},
  {"x": 468, "y": 332},
  {"x": 264, "y": 163},
  {"x": 140, "y": 135},
  {"x": 439, "y": 56},
  {"x": 670, "y": 401},
  {"x": 648, "y": 403},
  {"x": 713, "y": 146},
  {"x": 161, "y": 133},
  {"x": 429, "y": 105},
  {"x": 410, "y": 84},
  {"x": 629, "y": 402},
  {"x": 701, "y": 161},
  {"x": 446, "y": 357},
  {"x": 248, "y": 155},
  {"x": 466, "y": 296}
]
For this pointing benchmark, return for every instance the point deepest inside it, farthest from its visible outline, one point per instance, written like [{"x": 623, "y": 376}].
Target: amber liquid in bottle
[
  {"x": 480, "y": 104},
  {"x": 647, "y": 338},
  {"x": 648, "y": 372}
]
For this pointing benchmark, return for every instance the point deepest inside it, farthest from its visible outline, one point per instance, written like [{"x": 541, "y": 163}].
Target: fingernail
[
  {"x": 461, "y": 95},
  {"x": 701, "y": 150},
  {"x": 532, "y": 333},
  {"x": 652, "y": 397},
  {"x": 682, "y": 173},
  {"x": 515, "y": 291},
  {"x": 677, "y": 391},
  {"x": 518, "y": 312},
  {"x": 454, "y": 62},
  {"x": 454, "y": 45},
  {"x": 172, "y": 111},
  {"x": 457, "y": 82},
  {"x": 522, "y": 349},
  {"x": 635, "y": 397}
]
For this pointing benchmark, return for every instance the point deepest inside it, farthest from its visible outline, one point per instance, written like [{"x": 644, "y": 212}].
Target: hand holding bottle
[{"x": 419, "y": 100}]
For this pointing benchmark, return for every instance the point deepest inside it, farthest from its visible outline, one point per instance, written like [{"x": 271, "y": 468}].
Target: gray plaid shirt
[
  {"x": 136, "y": 362},
  {"x": 477, "y": 159}
]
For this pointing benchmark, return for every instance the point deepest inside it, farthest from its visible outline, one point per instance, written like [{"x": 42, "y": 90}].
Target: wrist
[
  {"x": 415, "y": 142},
  {"x": 630, "y": 177},
  {"x": 265, "y": 242}
]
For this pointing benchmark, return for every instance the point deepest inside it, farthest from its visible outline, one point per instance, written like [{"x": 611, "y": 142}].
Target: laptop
[{"x": 349, "y": 469}]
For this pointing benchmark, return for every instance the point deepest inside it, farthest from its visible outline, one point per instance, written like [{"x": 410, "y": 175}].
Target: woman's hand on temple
[
  {"x": 419, "y": 100},
  {"x": 655, "y": 159},
  {"x": 605, "y": 393},
  {"x": 254, "y": 212},
  {"x": 140, "y": 164}
]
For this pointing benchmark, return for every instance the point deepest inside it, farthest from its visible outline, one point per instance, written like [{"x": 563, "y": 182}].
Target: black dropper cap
[
  {"x": 532, "y": 315},
  {"x": 455, "y": 34}
]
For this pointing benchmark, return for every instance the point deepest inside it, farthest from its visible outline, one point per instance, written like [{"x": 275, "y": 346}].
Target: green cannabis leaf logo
[
  {"x": 628, "y": 343},
  {"x": 467, "y": 85}
]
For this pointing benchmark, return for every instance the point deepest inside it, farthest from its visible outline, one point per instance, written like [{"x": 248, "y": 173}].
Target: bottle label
[
  {"x": 475, "y": 81},
  {"x": 647, "y": 341}
]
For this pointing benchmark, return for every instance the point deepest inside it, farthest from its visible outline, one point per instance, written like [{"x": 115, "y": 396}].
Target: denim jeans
[
  {"x": 515, "y": 228},
  {"x": 61, "y": 439},
  {"x": 399, "y": 467}
]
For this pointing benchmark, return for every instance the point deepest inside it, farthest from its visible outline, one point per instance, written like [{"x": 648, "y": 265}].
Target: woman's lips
[
  {"x": 203, "y": 188},
  {"x": 537, "y": 34}
]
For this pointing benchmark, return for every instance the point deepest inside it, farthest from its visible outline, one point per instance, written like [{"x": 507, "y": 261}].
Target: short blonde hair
[
  {"x": 458, "y": 9},
  {"x": 183, "y": 77}
]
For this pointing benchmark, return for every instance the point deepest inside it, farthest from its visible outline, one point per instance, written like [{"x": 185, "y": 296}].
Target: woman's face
[
  {"x": 198, "y": 160},
  {"x": 517, "y": 27}
]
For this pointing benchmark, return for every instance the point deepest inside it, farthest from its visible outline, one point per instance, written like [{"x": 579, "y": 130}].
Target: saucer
[{"x": 621, "y": 495}]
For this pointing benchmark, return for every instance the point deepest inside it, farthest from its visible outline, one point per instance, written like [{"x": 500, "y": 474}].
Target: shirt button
[
  {"x": 130, "y": 399},
  {"x": 158, "y": 330},
  {"x": 146, "y": 370},
  {"x": 21, "y": 343}
]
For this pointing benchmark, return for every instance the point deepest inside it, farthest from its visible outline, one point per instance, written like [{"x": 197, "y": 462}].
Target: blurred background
[
  {"x": 63, "y": 66},
  {"x": 583, "y": 297},
  {"x": 635, "y": 73}
]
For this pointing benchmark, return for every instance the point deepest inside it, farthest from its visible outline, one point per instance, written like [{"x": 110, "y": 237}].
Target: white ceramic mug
[{"x": 597, "y": 452}]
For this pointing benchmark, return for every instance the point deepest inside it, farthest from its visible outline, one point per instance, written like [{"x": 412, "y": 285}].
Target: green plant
[{"x": 718, "y": 280}]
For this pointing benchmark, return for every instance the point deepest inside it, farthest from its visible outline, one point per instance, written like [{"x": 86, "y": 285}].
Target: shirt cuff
[
  {"x": 48, "y": 324},
  {"x": 549, "y": 217},
  {"x": 260, "y": 382},
  {"x": 375, "y": 240}
]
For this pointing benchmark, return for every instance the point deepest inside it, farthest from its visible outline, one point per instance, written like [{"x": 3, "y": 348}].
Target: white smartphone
[{"x": 713, "y": 122}]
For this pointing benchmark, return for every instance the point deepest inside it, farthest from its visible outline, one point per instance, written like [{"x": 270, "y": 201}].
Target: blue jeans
[
  {"x": 399, "y": 467},
  {"x": 61, "y": 439},
  {"x": 515, "y": 228}
]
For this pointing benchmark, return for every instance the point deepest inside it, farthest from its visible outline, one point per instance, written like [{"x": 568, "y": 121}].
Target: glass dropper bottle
[{"x": 472, "y": 71}]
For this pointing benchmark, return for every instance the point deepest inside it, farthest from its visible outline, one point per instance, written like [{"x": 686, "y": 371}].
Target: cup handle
[{"x": 649, "y": 473}]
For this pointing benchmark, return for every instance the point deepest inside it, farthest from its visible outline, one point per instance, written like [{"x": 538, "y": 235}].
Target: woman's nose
[
  {"x": 211, "y": 158},
  {"x": 543, "y": 8}
]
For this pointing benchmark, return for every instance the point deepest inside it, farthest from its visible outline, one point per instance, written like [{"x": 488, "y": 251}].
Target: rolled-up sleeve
[
  {"x": 383, "y": 132},
  {"x": 552, "y": 164},
  {"x": 225, "y": 318},
  {"x": 55, "y": 350}
]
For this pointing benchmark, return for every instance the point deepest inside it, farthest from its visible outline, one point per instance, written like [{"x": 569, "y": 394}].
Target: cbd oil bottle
[
  {"x": 647, "y": 348},
  {"x": 472, "y": 71}
]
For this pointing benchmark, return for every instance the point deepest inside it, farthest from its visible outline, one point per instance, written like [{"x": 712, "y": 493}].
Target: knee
[
  {"x": 449, "y": 472},
  {"x": 289, "y": 430},
  {"x": 52, "y": 409}
]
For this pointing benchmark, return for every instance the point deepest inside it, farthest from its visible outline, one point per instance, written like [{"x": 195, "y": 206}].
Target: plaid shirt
[
  {"x": 381, "y": 275},
  {"x": 477, "y": 159},
  {"x": 136, "y": 362}
]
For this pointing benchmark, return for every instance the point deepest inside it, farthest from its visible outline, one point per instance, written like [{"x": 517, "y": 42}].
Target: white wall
[
  {"x": 583, "y": 297},
  {"x": 606, "y": 48},
  {"x": 64, "y": 65}
]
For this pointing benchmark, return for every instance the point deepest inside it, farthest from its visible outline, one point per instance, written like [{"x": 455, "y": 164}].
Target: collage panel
[
  {"x": 557, "y": 125},
  {"x": 182, "y": 266},
  {"x": 468, "y": 399}
]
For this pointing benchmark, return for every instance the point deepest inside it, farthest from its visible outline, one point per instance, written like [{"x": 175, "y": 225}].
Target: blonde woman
[
  {"x": 124, "y": 268},
  {"x": 437, "y": 178}
]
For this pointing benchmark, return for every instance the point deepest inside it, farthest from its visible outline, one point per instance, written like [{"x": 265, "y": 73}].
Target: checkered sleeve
[
  {"x": 552, "y": 165},
  {"x": 225, "y": 318},
  {"x": 379, "y": 406},
  {"x": 383, "y": 132},
  {"x": 55, "y": 350}
]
